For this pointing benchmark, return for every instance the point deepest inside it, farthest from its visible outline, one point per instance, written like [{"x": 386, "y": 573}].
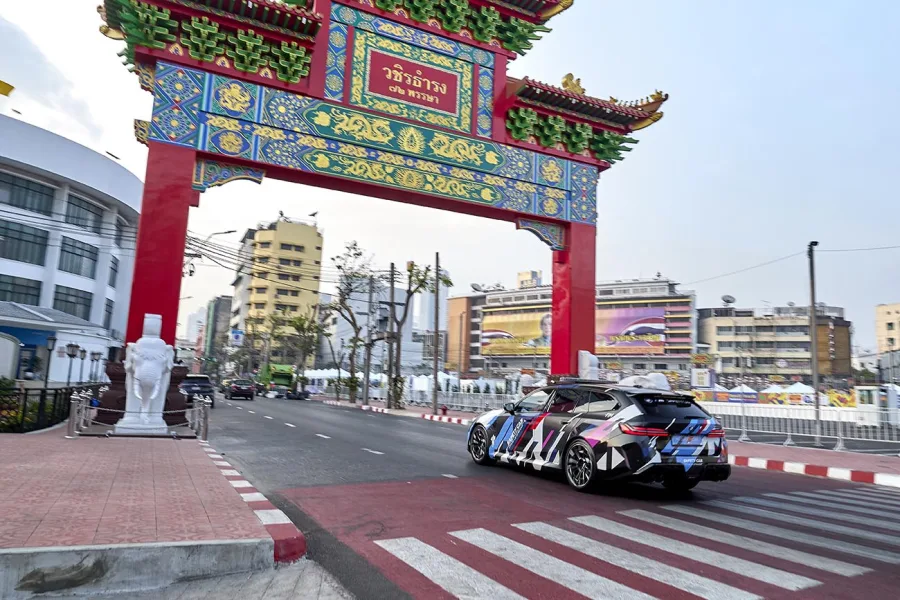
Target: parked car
[
  {"x": 596, "y": 432},
  {"x": 194, "y": 386},
  {"x": 278, "y": 391},
  {"x": 298, "y": 395},
  {"x": 240, "y": 388}
]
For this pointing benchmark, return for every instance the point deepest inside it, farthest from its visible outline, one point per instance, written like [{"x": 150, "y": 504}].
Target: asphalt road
[{"x": 393, "y": 507}]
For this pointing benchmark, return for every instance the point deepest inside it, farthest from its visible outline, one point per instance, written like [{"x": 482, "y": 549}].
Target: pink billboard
[{"x": 631, "y": 330}]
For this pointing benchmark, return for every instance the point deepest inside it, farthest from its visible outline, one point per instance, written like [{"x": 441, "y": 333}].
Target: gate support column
[
  {"x": 159, "y": 254},
  {"x": 574, "y": 299}
]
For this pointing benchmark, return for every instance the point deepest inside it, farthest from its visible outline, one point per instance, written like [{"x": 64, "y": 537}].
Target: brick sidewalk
[{"x": 97, "y": 491}]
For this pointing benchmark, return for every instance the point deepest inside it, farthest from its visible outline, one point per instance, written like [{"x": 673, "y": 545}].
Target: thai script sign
[{"x": 409, "y": 81}]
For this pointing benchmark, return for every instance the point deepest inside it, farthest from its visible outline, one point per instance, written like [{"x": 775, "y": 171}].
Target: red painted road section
[{"x": 359, "y": 515}]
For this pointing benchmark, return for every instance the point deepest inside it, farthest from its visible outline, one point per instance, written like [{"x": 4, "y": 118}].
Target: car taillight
[
  {"x": 643, "y": 431},
  {"x": 717, "y": 432}
]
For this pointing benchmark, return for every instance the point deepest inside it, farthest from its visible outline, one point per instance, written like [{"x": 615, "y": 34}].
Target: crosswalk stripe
[
  {"x": 455, "y": 577},
  {"x": 886, "y": 491},
  {"x": 862, "y": 496},
  {"x": 567, "y": 575},
  {"x": 740, "y": 541},
  {"x": 788, "y": 534},
  {"x": 849, "y": 504},
  {"x": 795, "y": 520},
  {"x": 801, "y": 507},
  {"x": 683, "y": 580},
  {"x": 739, "y": 566}
]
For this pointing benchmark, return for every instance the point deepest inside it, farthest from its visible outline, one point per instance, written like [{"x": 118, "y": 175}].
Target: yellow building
[
  {"x": 279, "y": 273},
  {"x": 887, "y": 327}
]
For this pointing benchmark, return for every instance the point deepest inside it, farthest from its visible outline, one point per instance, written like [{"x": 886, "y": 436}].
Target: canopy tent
[
  {"x": 799, "y": 388},
  {"x": 773, "y": 389},
  {"x": 742, "y": 389},
  {"x": 721, "y": 388}
]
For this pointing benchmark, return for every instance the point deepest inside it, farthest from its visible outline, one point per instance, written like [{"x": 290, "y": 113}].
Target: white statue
[{"x": 148, "y": 369}]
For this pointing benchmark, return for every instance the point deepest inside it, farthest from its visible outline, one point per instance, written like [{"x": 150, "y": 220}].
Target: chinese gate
[{"x": 406, "y": 100}]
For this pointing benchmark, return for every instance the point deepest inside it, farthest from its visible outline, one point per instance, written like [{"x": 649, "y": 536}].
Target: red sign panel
[{"x": 413, "y": 82}]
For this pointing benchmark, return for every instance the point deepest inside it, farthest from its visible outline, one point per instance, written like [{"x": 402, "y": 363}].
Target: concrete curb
[
  {"x": 401, "y": 413},
  {"x": 885, "y": 479},
  {"x": 290, "y": 543},
  {"x": 443, "y": 419}
]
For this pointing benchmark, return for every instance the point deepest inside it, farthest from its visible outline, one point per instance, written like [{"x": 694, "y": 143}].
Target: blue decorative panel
[
  {"x": 410, "y": 35},
  {"x": 209, "y": 173},
  {"x": 484, "y": 125},
  {"x": 549, "y": 233},
  {"x": 336, "y": 62},
  {"x": 197, "y": 109}
]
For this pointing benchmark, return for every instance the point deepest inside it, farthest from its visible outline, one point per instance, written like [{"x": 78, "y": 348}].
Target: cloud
[{"x": 38, "y": 81}]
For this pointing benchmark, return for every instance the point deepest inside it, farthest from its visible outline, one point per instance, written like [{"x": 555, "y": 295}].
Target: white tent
[
  {"x": 773, "y": 389},
  {"x": 799, "y": 388},
  {"x": 721, "y": 388},
  {"x": 742, "y": 389}
]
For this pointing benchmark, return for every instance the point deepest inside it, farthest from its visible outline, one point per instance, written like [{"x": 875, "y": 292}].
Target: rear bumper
[
  {"x": 241, "y": 394},
  {"x": 703, "y": 472}
]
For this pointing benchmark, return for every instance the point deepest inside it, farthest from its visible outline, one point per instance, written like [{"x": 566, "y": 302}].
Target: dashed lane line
[
  {"x": 323, "y": 436},
  {"x": 372, "y": 451},
  {"x": 266, "y": 417},
  {"x": 289, "y": 425},
  {"x": 449, "y": 476}
]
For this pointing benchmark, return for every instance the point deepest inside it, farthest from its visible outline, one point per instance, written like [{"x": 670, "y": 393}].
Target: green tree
[{"x": 355, "y": 270}]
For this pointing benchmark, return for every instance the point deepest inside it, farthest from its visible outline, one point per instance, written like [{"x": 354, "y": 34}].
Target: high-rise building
[
  {"x": 195, "y": 321},
  {"x": 529, "y": 279},
  {"x": 887, "y": 327},
  {"x": 278, "y": 273},
  {"x": 218, "y": 313}
]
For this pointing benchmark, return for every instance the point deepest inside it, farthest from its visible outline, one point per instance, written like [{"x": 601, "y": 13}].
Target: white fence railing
[
  {"x": 858, "y": 423},
  {"x": 461, "y": 401}
]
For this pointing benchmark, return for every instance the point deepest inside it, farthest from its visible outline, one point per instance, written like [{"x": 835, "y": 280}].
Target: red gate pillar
[
  {"x": 159, "y": 255},
  {"x": 574, "y": 299}
]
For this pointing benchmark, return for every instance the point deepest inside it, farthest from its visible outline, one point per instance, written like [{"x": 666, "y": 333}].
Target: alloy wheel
[{"x": 579, "y": 467}]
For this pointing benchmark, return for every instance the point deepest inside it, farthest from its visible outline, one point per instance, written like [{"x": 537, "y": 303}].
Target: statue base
[{"x": 136, "y": 427}]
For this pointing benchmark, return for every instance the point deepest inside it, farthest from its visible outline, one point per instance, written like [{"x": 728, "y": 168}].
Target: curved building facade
[{"x": 68, "y": 221}]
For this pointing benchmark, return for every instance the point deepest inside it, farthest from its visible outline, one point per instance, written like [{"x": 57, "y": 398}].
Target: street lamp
[
  {"x": 51, "y": 344},
  {"x": 82, "y": 354},
  {"x": 813, "y": 340},
  {"x": 210, "y": 236},
  {"x": 95, "y": 359},
  {"x": 71, "y": 351}
]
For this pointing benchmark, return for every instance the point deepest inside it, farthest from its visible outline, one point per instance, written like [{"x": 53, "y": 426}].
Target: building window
[
  {"x": 261, "y": 290},
  {"x": 295, "y": 277},
  {"x": 84, "y": 214},
  {"x": 297, "y": 263},
  {"x": 316, "y": 277},
  {"x": 682, "y": 367},
  {"x": 283, "y": 277},
  {"x": 284, "y": 261},
  {"x": 73, "y": 302},
  {"x": 113, "y": 271},
  {"x": 282, "y": 292},
  {"x": 723, "y": 330},
  {"x": 890, "y": 326},
  {"x": 118, "y": 235},
  {"x": 26, "y": 194},
  {"x": 299, "y": 248},
  {"x": 78, "y": 258},
  {"x": 261, "y": 275},
  {"x": 108, "y": 313},
  {"x": 259, "y": 305},
  {"x": 19, "y": 289},
  {"x": 287, "y": 247},
  {"x": 23, "y": 243},
  {"x": 265, "y": 244},
  {"x": 318, "y": 262},
  {"x": 639, "y": 366},
  {"x": 318, "y": 247},
  {"x": 262, "y": 259},
  {"x": 660, "y": 366},
  {"x": 281, "y": 307},
  {"x": 295, "y": 292}
]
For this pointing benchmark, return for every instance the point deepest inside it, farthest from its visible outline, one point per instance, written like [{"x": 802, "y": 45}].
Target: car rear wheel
[
  {"x": 581, "y": 467},
  {"x": 479, "y": 446},
  {"x": 681, "y": 484}
]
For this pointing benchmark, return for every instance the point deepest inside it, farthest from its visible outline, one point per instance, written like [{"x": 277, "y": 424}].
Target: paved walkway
[{"x": 93, "y": 491}]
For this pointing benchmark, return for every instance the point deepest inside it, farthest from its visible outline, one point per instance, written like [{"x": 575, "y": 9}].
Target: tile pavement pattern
[{"x": 99, "y": 491}]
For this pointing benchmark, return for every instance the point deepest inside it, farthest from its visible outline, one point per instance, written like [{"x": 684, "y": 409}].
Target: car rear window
[
  {"x": 241, "y": 382},
  {"x": 670, "y": 408},
  {"x": 196, "y": 379}
]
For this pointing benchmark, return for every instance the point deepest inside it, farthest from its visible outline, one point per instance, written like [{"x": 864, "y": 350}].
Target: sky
[{"x": 780, "y": 129}]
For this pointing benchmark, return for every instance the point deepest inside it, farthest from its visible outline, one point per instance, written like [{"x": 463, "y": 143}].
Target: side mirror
[{"x": 509, "y": 407}]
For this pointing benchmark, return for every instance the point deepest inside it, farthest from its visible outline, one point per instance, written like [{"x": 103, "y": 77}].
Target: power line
[
  {"x": 874, "y": 248},
  {"x": 764, "y": 264}
]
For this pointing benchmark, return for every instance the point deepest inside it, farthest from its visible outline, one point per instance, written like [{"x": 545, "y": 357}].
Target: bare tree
[
  {"x": 355, "y": 269},
  {"x": 309, "y": 328}
]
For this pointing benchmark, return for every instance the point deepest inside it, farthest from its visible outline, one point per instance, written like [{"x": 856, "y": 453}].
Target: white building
[
  {"x": 68, "y": 219},
  {"x": 195, "y": 322}
]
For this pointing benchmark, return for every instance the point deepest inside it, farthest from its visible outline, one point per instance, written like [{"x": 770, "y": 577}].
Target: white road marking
[
  {"x": 839, "y": 502},
  {"x": 253, "y": 497},
  {"x": 788, "y": 534},
  {"x": 800, "y": 507},
  {"x": 239, "y": 407},
  {"x": 372, "y": 451},
  {"x": 272, "y": 516},
  {"x": 289, "y": 425},
  {"x": 567, "y": 575},
  {"x": 738, "y": 566},
  {"x": 683, "y": 580},
  {"x": 221, "y": 463},
  {"x": 229, "y": 404},
  {"x": 858, "y": 496},
  {"x": 880, "y": 492},
  {"x": 740, "y": 541},
  {"x": 231, "y": 472},
  {"x": 323, "y": 436},
  {"x": 449, "y": 476},
  {"x": 252, "y": 412},
  {"x": 241, "y": 483},
  {"x": 215, "y": 456},
  {"x": 267, "y": 417},
  {"x": 456, "y": 578},
  {"x": 811, "y": 523}
]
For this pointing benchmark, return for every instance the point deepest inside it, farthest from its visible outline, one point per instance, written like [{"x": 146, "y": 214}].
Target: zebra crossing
[{"x": 740, "y": 548}]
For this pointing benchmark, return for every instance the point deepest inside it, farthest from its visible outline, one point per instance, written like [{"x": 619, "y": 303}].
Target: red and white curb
[
  {"x": 443, "y": 419},
  {"x": 376, "y": 409},
  {"x": 886, "y": 479},
  {"x": 290, "y": 544}
]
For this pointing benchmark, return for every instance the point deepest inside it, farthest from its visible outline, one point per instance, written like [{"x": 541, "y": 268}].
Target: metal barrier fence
[
  {"x": 864, "y": 423},
  {"x": 461, "y": 401},
  {"x": 82, "y": 416},
  {"x": 24, "y": 410}
]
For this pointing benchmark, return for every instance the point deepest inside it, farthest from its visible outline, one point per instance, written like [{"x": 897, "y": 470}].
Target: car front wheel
[
  {"x": 581, "y": 465},
  {"x": 479, "y": 446}
]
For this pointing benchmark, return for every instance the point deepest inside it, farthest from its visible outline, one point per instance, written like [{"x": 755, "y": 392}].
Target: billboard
[{"x": 618, "y": 331}]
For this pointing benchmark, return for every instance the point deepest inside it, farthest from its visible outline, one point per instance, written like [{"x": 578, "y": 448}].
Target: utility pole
[
  {"x": 435, "y": 348},
  {"x": 813, "y": 339},
  {"x": 462, "y": 316},
  {"x": 390, "y": 344},
  {"x": 368, "y": 367}
]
